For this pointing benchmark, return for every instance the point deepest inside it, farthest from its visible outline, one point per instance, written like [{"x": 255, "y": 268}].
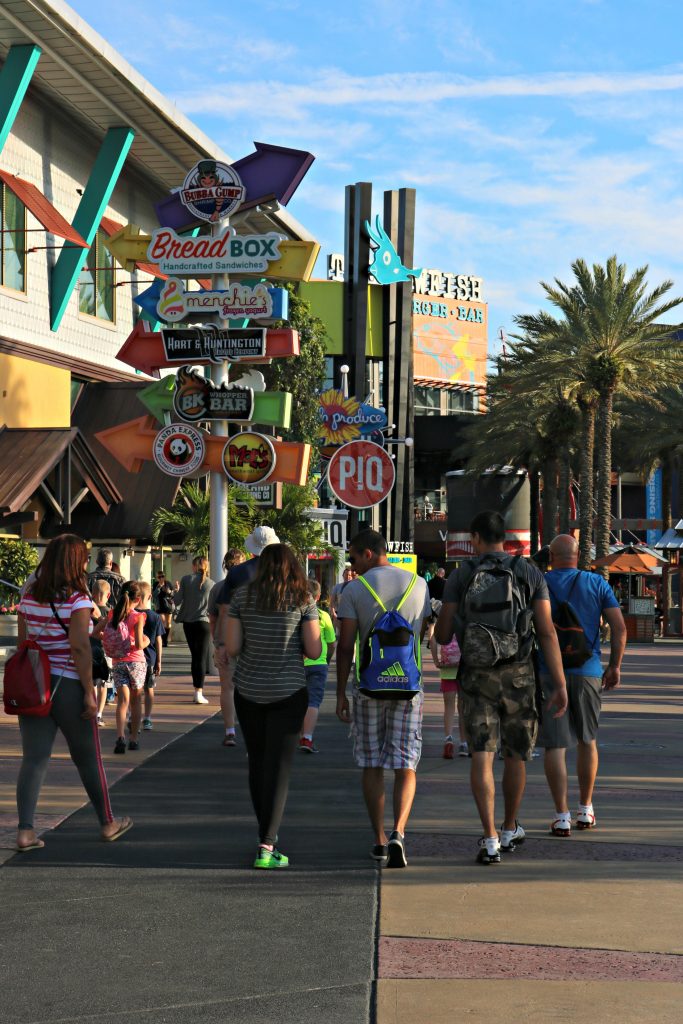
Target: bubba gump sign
[{"x": 227, "y": 253}]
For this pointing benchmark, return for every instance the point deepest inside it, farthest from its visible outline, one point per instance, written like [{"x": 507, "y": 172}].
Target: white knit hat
[{"x": 260, "y": 538}]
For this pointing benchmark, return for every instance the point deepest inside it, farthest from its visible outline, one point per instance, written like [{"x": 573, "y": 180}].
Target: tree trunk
[
  {"x": 534, "y": 495},
  {"x": 604, "y": 494},
  {"x": 549, "y": 500},
  {"x": 564, "y": 483},
  {"x": 586, "y": 485}
]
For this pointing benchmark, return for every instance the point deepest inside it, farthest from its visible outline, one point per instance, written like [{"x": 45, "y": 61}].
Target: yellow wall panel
[
  {"x": 327, "y": 302},
  {"x": 33, "y": 394}
]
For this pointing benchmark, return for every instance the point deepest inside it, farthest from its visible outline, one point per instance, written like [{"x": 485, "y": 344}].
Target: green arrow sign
[{"x": 271, "y": 408}]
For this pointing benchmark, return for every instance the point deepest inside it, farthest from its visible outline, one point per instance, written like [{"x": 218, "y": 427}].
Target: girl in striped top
[{"x": 55, "y": 612}]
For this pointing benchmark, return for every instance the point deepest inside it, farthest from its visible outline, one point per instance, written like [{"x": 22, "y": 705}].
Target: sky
[{"x": 535, "y": 133}]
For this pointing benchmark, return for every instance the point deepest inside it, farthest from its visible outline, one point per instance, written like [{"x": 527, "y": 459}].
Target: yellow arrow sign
[{"x": 297, "y": 259}]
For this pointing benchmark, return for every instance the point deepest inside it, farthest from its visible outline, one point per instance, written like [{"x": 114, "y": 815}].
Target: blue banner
[{"x": 653, "y": 503}]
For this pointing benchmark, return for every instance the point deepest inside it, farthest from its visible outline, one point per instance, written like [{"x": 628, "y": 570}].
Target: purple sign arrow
[{"x": 269, "y": 171}]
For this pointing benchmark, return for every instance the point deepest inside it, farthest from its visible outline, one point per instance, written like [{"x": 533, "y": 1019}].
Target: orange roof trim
[{"x": 42, "y": 209}]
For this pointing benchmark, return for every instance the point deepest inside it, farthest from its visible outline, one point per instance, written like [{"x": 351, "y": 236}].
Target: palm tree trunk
[
  {"x": 549, "y": 499},
  {"x": 564, "y": 482},
  {"x": 586, "y": 485},
  {"x": 604, "y": 495},
  {"x": 534, "y": 494}
]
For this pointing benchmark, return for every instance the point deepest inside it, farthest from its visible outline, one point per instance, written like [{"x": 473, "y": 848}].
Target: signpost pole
[{"x": 218, "y": 483}]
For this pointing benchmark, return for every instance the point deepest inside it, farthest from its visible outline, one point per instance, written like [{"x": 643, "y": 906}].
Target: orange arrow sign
[{"x": 132, "y": 443}]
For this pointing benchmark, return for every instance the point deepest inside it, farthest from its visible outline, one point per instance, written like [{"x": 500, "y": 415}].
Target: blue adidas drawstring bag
[{"x": 390, "y": 664}]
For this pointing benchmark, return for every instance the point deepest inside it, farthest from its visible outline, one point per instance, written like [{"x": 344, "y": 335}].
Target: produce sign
[
  {"x": 249, "y": 458},
  {"x": 212, "y": 191},
  {"x": 197, "y": 398},
  {"x": 346, "y": 419},
  {"x": 227, "y": 253}
]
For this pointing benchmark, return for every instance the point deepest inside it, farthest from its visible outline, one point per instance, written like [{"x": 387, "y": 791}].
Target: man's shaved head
[{"x": 564, "y": 549}]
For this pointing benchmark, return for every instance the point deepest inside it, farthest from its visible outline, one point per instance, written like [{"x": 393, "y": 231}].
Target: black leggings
[
  {"x": 198, "y": 636},
  {"x": 271, "y": 733},
  {"x": 82, "y": 736}
]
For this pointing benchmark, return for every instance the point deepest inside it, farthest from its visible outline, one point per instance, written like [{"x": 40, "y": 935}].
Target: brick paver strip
[{"x": 460, "y": 958}]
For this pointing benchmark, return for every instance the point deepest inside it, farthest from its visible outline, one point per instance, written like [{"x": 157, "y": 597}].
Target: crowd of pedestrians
[{"x": 518, "y": 654}]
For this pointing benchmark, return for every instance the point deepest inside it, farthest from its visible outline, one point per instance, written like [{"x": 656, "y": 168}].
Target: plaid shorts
[{"x": 387, "y": 733}]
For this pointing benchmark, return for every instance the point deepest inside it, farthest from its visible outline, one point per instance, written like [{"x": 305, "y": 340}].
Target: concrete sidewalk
[{"x": 585, "y": 929}]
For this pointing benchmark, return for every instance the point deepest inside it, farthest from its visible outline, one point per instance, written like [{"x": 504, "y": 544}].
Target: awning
[
  {"x": 42, "y": 209},
  {"x": 448, "y": 385},
  {"x": 28, "y": 456},
  {"x": 672, "y": 540}
]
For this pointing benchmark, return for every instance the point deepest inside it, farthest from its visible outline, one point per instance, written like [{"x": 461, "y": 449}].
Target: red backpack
[{"x": 27, "y": 686}]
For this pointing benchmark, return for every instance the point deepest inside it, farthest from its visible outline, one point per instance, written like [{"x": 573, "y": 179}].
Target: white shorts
[{"x": 387, "y": 733}]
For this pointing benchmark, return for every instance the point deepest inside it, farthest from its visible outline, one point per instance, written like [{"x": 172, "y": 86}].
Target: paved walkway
[{"x": 170, "y": 925}]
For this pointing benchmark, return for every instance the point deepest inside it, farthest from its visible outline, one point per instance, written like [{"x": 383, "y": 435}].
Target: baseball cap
[{"x": 260, "y": 538}]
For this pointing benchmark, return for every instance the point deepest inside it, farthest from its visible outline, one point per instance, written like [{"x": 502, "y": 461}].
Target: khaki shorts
[
  {"x": 583, "y": 713},
  {"x": 499, "y": 709}
]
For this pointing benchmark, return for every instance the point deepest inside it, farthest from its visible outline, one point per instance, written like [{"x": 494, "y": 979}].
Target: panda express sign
[{"x": 226, "y": 253}]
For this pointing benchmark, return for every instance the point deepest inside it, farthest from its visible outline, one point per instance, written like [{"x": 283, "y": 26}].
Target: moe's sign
[
  {"x": 249, "y": 458},
  {"x": 225, "y": 253}
]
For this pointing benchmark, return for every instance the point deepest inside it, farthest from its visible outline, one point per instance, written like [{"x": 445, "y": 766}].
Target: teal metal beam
[
  {"x": 15, "y": 76},
  {"x": 96, "y": 195}
]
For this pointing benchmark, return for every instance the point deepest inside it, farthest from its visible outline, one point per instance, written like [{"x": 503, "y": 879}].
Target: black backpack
[
  {"x": 571, "y": 636},
  {"x": 495, "y": 617}
]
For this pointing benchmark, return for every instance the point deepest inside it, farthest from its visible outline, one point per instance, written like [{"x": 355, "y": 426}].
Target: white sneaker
[
  {"x": 585, "y": 818},
  {"x": 511, "y": 838},
  {"x": 199, "y": 698}
]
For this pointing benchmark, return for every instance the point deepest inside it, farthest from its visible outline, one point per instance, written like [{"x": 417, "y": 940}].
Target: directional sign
[
  {"x": 145, "y": 349},
  {"x": 271, "y": 408},
  {"x": 270, "y": 172},
  {"x": 361, "y": 474},
  {"x": 197, "y": 398},
  {"x": 294, "y": 263},
  {"x": 132, "y": 444},
  {"x": 168, "y": 300}
]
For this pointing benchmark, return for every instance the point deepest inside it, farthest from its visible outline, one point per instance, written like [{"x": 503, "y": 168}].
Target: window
[
  {"x": 427, "y": 401},
  {"x": 463, "y": 401},
  {"x": 96, "y": 283},
  {"x": 13, "y": 245},
  {"x": 329, "y": 373}
]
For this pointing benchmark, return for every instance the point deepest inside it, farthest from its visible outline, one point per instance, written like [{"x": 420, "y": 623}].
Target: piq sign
[
  {"x": 249, "y": 458},
  {"x": 179, "y": 450},
  {"x": 212, "y": 191}
]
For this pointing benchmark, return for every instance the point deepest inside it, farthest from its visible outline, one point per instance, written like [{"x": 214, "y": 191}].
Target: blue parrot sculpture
[{"x": 386, "y": 266}]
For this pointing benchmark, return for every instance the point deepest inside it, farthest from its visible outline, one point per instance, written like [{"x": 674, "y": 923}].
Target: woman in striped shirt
[
  {"x": 272, "y": 624},
  {"x": 55, "y": 612}
]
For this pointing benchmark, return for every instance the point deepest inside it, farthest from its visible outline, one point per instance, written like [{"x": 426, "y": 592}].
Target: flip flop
[
  {"x": 38, "y": 845},
  {"x": 126, "y": 824}
]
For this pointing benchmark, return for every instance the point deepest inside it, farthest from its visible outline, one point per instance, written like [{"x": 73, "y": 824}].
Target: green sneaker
[{"x": 270, "y": 859}]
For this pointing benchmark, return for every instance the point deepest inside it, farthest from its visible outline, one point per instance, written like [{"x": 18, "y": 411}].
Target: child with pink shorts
[{"x": 447, "y": 660}]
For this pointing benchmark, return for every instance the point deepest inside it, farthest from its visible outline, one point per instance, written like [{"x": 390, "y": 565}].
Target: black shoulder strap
[{"x": 54, "y": 612}]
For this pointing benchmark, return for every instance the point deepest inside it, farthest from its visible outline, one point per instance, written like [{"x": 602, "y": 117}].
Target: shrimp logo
[
  {"x": 171, "y": 304},
  {"x": 386, "y": 266},
  {"x": 249, "y": 458},
  {"x": 212, "y": 190}
]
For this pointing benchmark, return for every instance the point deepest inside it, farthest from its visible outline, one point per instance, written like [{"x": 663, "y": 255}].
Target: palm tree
[
  {"x": 609, "y": 342},
  {"x": 189, "y": 518}
]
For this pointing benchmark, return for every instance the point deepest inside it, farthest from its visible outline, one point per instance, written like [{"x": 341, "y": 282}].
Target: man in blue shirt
[{"x": 591, "y": 598}]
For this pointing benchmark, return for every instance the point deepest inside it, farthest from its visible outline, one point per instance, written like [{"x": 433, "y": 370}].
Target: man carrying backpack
[
  {"x": 578, "y": 601},
  {"x": 490, "y": 603},
  {"x": 385, "y": 611}
]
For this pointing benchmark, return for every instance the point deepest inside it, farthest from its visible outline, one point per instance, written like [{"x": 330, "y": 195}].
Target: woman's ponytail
[{"x": 130, "y": 592}]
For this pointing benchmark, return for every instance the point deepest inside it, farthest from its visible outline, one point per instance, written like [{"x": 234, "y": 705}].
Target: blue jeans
[{"x": 316, "y": 680}]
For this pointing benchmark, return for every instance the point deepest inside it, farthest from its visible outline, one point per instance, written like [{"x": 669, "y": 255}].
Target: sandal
[
  {"x": 561, "y": 827},
  {"x": 37, "y": 845},
  {"x": 124, "y": 825}
]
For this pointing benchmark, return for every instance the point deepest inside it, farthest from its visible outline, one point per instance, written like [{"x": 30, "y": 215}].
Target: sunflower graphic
[{"x": 336, "y": 416}]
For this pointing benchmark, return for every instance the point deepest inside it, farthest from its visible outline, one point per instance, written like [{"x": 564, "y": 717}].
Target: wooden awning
[
  {"x": 42, "y": 209},
  {"x": 448, "y": 385}
]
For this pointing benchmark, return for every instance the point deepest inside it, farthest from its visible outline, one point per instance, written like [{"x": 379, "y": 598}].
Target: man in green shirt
[{"x": 316, "y": 673}]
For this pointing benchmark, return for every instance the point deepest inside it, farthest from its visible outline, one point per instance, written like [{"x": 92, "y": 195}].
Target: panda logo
[{"x": 179, "y": 449}]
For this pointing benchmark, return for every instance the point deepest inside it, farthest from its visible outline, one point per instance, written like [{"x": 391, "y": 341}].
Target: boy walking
[
  {"x": 316, "y": 673},
  {"x": 155, "y": 630}
]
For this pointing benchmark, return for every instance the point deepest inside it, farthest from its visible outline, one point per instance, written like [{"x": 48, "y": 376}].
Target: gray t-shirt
[
  {"x": 270, "y": 666},
  {"x": 458, "y": 580},
  {"x": 390, "y": 584}
]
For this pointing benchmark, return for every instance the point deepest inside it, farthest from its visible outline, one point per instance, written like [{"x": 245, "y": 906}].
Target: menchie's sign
[{"x": 227, "y": 253}]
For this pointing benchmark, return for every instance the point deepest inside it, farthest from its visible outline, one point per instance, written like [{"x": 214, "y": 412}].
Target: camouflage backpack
[{"x": 495, "y": 613}]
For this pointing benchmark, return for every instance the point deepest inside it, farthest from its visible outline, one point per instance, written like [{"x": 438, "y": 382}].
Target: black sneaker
[
  {"x": 485, "y": 856},
  {"x": 120, "y": 746},
  {"x": 396, "y": 851},
  {"x": 133, "y": 745},
  {"x": 510, "y": 839},
  {"x": 379, "y": 852}
]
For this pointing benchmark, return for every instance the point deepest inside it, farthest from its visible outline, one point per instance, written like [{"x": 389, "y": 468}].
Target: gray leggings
[{"x": 37, "y": 738}]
